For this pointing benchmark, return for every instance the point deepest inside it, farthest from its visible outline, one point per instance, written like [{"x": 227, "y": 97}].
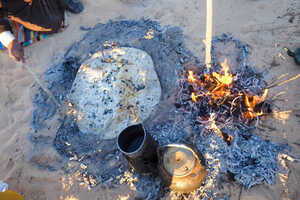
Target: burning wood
[
  {"x": 253, "y": 103},
  {"x": 216, "y": 95}
]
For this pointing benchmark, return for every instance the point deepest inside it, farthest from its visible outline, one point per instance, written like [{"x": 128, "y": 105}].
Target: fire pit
[{"x": 214, "y": 109}]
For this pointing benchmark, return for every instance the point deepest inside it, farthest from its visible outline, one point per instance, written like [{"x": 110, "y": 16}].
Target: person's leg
[{"x": 41, "y": 15}]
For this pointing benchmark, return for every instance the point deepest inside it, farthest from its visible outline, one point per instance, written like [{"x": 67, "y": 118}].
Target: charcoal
[
  {"x": 265, "y": 107},
  {"x": 177, "y": 105}
]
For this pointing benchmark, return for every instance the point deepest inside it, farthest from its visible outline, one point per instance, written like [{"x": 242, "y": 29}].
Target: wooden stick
[
  {"x": 283, "y": 82},
  {"x": 37, "y": 80},
  {"x": 208, "y": 40}
]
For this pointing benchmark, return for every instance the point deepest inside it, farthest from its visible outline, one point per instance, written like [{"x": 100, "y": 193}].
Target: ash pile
[{"x": 213, "y": 109}]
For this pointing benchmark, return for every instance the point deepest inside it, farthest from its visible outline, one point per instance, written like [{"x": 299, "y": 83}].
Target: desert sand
[{"x": 266, "y": 26}]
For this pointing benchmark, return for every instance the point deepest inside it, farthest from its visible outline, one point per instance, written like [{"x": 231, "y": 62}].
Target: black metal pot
[
  {"x": 181, "y": 167},
  {"x": 139, "y": 148}
]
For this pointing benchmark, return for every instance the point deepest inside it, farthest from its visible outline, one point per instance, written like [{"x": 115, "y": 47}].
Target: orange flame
[
  {"x": 252, "y": 103},
  {"x": 222, "y": 81},
  {"x": 191, "y": 77},
  {"x": 218, "y": 87},
  {"x": 218, "y": 83},
  {"x": 194, "y": 97},
  {"x": 225, "y": 79},
  {"x": 229, "y": 138}
]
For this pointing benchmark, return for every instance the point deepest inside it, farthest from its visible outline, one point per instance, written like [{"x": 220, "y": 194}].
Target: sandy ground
[{"x": 264, "y": 25}]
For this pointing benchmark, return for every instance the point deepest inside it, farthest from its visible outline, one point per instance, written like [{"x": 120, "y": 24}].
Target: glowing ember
[{"x": 229, "y": 138}]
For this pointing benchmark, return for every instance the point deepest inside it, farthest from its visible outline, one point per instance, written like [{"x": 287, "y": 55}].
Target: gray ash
[{"x": 249, "y": 159}]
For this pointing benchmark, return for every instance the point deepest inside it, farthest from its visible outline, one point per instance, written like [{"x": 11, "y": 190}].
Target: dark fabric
[
  {"x": 48, "y": 14},
  {"x": 4, "y": 24}
]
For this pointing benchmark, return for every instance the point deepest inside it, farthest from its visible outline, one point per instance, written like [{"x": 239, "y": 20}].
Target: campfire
[{"x": 216, "y": 98}]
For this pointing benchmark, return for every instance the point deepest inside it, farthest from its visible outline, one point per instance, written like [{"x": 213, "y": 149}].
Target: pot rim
[{"x": 142, "y": 144}]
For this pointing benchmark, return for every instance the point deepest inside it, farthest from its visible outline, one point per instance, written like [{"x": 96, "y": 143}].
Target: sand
[{"x": 263, "y": 25}]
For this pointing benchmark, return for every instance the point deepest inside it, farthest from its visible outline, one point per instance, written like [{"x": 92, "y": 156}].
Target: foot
[{"x": 74, "y": 6}]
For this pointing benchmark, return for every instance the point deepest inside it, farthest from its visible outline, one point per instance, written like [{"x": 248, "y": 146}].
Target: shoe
[{"x": 74, "y": 6}]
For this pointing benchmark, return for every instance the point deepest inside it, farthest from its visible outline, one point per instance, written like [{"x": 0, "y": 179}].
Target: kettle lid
[{"x": 178, "y": 160}]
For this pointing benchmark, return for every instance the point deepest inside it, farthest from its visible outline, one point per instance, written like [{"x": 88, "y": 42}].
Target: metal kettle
[{"x": 181, "y": 167}]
